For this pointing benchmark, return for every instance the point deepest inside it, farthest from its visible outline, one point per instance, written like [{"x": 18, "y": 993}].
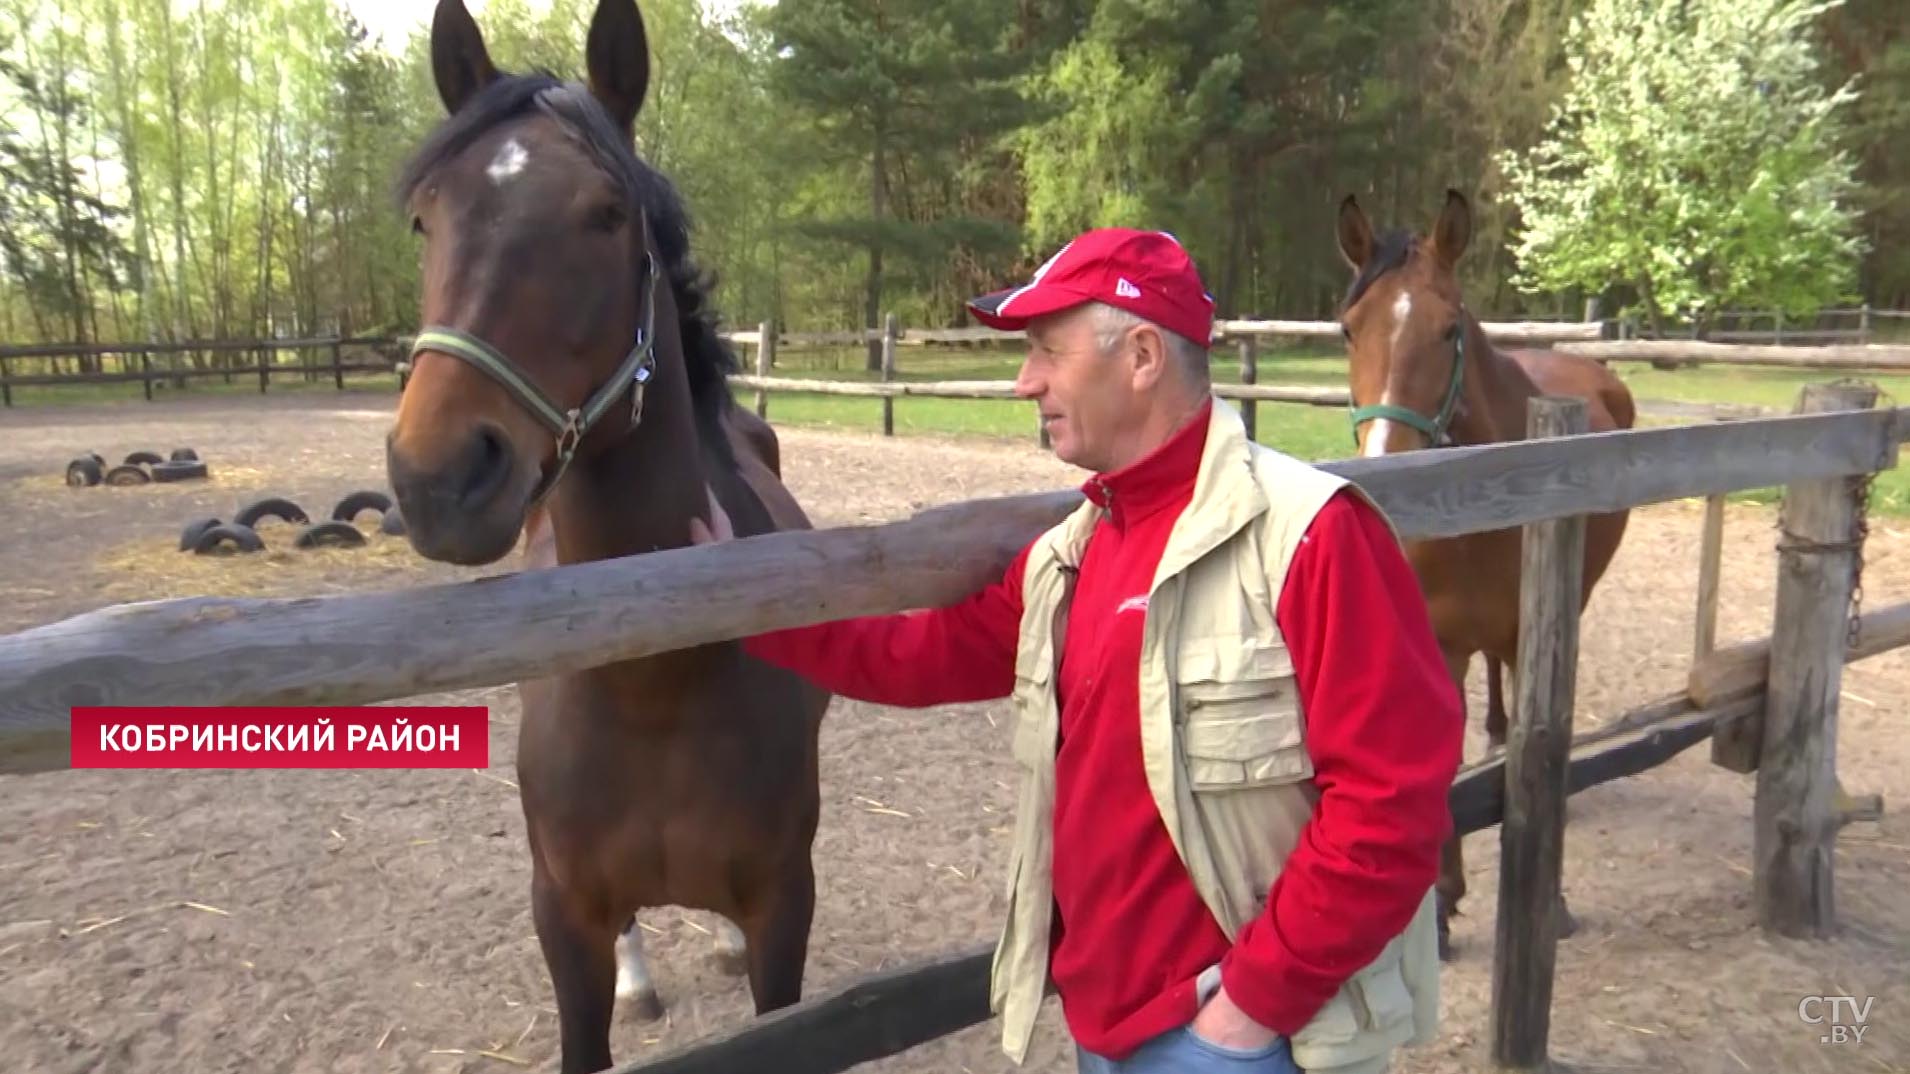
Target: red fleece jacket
[{"x": 1383, "y": 727}]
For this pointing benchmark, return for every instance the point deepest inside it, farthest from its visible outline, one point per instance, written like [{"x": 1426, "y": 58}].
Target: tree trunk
[{"x": 878, "y": 206}]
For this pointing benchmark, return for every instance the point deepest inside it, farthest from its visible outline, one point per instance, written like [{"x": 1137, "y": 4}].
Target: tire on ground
[
  {"x": 184, "y": 454},
  {"x": 197, "y": 528},
  {"x": 242, "y": 538},
  {"x": 349, "y": 508},
  {"x": 272, "y": 507},
  {"x": 393, "y": 524},
  {"x": 128, "y": 475},
  {"x": 179, "y": 470},
  {"x": 143, "y": 458},
  {"x": 84, "y": 472},
  {"x": 331, "y": 534}
]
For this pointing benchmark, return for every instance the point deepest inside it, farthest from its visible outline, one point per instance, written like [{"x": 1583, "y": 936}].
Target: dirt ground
[{"x": 379, "y": 921}]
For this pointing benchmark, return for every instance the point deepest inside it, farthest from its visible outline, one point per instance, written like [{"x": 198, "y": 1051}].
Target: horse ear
[
  {"x": 459, "y": 61},
  {"x": 617, "y": 55},
  {"x": 1355, "y": 233},
  {"x": 1454, "y": 229}
]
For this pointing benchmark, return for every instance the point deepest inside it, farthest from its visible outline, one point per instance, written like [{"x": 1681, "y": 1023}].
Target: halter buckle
[
  {"x": 639, "y": 381},
  {"x": 570, "y": 435}
]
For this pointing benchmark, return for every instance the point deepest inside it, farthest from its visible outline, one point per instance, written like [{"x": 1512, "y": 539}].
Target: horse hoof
[
  {"x": 643, "y": 1006},
  {"x": 1567, "y": 924}
]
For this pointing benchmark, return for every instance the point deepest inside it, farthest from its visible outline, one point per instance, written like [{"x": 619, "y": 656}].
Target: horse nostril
[{"x": 490, "y": 465}]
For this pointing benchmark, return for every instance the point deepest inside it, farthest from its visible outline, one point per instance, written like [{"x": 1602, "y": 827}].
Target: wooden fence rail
[{"x": 364, "y": 647}]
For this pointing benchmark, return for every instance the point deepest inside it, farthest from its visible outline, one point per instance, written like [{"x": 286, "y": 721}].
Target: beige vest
[{"x": 1222, "y": 738}]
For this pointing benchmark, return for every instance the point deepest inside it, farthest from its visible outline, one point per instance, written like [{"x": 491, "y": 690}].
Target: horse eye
[
  {"x": 417, "y": 225},
  {"x": 607, "y": 219},
  {"x": 1346, "y": 333}
]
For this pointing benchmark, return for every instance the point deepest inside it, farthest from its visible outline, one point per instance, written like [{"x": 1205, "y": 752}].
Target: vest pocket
[
  {"x": 1239, "y": 715},
  {"x": 1371, "y": 1015},
  {"x": 1241, "y": 745}
]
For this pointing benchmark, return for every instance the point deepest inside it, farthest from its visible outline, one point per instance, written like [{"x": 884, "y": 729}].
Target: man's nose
[{"x": 1027, "y": 386}]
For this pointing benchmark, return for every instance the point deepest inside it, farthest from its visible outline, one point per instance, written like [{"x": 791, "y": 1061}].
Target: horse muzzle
[{"x": 469, "y": 508}]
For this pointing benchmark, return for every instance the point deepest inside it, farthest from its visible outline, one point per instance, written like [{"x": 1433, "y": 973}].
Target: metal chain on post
[{"x": 1859, "y": 487}]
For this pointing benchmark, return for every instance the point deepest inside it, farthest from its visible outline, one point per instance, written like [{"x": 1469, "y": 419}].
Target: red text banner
[{"x": 439, "y": 736}]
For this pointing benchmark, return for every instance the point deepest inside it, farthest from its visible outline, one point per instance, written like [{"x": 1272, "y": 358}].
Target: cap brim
[{"x": 1023, "y": 304}]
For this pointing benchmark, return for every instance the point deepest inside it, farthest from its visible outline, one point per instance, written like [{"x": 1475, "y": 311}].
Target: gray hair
[{"x": 1112, "y": 322}]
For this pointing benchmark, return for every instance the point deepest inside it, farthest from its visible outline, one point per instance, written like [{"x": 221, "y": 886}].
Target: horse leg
[
  {"x": 1451, "y": 885},
  {"x": 1495, "y": 704},
  {"x": 582, "y": 959},
  {"x": 634, "y": 985},
  {"x": 776, "y": 931}
]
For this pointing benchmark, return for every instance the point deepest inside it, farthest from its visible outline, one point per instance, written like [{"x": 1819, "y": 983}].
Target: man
[{"x": 1236, "y": 732}]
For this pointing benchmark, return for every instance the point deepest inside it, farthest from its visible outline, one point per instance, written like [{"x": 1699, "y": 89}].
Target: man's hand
[
  {"x": 1222, "y": 1022},
  {"x": 707, "y": 534}
]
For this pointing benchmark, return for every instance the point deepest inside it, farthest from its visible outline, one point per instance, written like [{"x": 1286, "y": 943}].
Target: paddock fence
[
  {"x": 1768, "y": 706},
  {"x": 156, "y": 367}
]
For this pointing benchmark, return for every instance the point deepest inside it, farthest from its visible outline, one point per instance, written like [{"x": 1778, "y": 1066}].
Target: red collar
[{"x": 1162, "y": 478}]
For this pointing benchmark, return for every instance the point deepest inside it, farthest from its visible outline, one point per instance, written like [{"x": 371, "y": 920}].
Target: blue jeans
[{"x": 1180, "y": 1051}]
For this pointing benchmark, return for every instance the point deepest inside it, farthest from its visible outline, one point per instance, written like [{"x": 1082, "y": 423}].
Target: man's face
[{"x": 1089, "y": 401}]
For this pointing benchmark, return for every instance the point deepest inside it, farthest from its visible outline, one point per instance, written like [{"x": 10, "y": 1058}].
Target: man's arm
[
  {"x": 1384, "y": 726},
  {"x": 963, "y": 652}
]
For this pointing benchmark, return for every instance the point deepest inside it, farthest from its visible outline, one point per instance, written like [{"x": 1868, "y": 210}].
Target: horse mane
[
  {"x": 1389, "y": 253},
  {"x": 708, "y": 360}
]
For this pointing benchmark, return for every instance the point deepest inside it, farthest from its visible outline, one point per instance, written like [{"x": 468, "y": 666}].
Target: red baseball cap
[{"x": 1147, "y": 273}]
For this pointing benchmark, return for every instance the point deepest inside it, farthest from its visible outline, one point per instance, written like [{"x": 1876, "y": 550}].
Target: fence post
[
  {"x": 1863, "y": 323},
  {"x": 1821, "y": 540},
  {"x": 1739, "y": 745},
  {"x": 265, "y": 368},
  {"x": 338, "y": 365},
  {"x": 146, "y": 373},
  {"x": 1532, "y": 834},
  {"x": 765, "y": 348},
  {"x": 6, "y": 384},
  {"x": 1710, "y": 567},
  {"x": 1249, "y": 373},
  {"x": 888, "y": 373}
]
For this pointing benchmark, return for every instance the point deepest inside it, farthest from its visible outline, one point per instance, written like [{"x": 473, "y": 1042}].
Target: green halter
[
  {"x": 568, "y": 425},
  {"x": 1437, "y": 428}
]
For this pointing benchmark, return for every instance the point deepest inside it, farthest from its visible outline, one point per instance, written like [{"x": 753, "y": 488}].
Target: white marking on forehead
[
  {"x": 510, "y": 160},
  {"x": 1376, "y": 436},
  {"x": 1402, "y": 312}
]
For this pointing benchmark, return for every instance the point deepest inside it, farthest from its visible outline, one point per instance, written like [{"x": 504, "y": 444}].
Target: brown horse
[
  {"x": 570, "y": 387},
  {"x": 1423, "y": 374}
]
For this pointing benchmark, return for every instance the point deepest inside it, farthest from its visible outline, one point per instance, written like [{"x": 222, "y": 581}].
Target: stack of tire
[
  {"x": 211, "y": 536},
  {"x": 140, "y": 468}
]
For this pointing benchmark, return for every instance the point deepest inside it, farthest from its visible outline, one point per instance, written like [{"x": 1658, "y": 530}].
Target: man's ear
[{"x": 1150, "y": 357}]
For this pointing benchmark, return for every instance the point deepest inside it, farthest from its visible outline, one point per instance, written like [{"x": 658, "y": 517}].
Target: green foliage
[
  {"x": 222, "y": 168},
  {"x": 1697, "y": 156}
]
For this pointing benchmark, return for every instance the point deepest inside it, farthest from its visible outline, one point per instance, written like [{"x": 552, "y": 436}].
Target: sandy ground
[{"x": 379, "y": 921}]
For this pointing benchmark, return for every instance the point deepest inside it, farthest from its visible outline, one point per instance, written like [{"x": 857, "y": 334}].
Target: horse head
[
  {"x": 1406, "y": 327},
  {"x": 550, "y": 317}
]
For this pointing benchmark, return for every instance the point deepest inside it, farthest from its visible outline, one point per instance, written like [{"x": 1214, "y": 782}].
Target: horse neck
[
  {"x": 639, "y": 493},
  {"x": 1496, "y": 391}
]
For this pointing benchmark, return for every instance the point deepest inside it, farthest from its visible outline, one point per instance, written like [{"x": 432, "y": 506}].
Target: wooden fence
[
  {"x": 1768, "y": 706},
  {"x": 136, "y": 365},
  {"x": 136, "y": 360}
]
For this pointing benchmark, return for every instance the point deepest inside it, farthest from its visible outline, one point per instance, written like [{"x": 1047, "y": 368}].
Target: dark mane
[
  {"x": 1389, "y": 253},
  {"x": 708, "y": 361}
]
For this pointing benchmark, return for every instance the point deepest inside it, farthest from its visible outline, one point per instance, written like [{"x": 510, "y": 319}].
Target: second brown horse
[{"x": 1423, "y": 374}]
